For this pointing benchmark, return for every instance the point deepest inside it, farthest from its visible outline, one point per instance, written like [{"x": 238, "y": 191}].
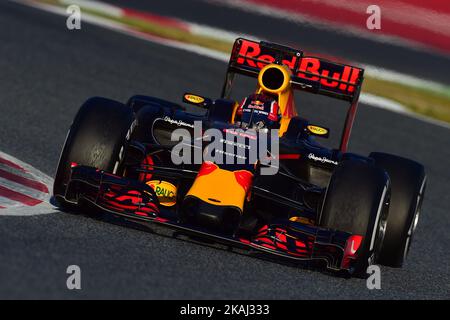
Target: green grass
[
  {"x": 430, "y": 103},
  {"x": 170, "y": 33}
]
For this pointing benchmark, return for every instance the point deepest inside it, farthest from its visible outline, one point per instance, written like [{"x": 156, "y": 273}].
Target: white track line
[
  {"x": 17, "y": 187},
  {"x": 213, "y": 32},
  {"x": 409, "y": 80},
  {"x": 393, "y": 106},
  {"x": 17, "y": 172},
  {"x": 380, "y": 102},
  {"x": 8, "y": 203},
  {"x": 317, "y": 23},
  {"x": 398, "y": 12},
  {"x": 95, "y": 5}
]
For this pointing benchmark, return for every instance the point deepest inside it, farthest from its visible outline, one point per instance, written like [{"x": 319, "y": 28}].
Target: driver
[{"x": 259, "y": 111}]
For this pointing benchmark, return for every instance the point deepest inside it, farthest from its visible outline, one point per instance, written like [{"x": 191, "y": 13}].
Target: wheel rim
[
  {"x": 415, "y": 220},
  {"x": 380, "y": 227}
]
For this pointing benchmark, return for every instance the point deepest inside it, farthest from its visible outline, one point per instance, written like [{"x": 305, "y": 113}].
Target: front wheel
[
  {"x": 98, "y": 137},
  {"x": 408, "y": 181},
  {"x": 357, "y": 202}
]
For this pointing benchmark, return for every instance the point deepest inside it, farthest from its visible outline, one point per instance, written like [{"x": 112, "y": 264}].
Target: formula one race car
[{"x": 251, "y": 174}]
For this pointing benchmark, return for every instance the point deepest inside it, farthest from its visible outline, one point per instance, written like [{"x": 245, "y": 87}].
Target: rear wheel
[
  {"x": 408, "y": 181},
  {"x": 97, "y": 137},
  {"x": 357, "y": 201}
]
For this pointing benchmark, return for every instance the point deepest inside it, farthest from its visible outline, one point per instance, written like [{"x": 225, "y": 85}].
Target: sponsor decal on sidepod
[{"x": 312, "y": 156}]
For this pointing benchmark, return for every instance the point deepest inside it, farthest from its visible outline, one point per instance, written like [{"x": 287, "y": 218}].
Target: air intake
[{"x": 274, "y": 78}]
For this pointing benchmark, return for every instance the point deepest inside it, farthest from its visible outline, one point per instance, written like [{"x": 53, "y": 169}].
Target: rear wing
[
  {"x": 309, "y": 73},
  {"x": 313, "y": 74}
]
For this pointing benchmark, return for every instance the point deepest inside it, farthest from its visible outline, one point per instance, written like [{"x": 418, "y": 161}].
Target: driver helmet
[{"x": 259, "y": 111}]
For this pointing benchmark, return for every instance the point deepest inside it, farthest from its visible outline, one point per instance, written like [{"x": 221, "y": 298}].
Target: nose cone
[
  {"x": 221, "y": 187},
  {"x": 216, "y": 198}
]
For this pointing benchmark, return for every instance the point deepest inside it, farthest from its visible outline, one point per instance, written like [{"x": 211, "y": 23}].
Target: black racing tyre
[
  {"x": 97, "y": 137},
  {"x": 408, "y": 182},
  {"x": 357, "y": 201}
]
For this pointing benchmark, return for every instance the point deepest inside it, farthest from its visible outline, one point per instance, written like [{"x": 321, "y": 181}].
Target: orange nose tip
[{"x": 206, "y": 168}]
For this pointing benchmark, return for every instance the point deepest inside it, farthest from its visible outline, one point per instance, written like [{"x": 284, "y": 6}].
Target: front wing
[{"x": 284, "y": 238}]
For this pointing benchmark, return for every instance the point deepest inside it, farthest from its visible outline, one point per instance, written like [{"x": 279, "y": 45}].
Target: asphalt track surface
[{"x": 46, "y": 74}]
